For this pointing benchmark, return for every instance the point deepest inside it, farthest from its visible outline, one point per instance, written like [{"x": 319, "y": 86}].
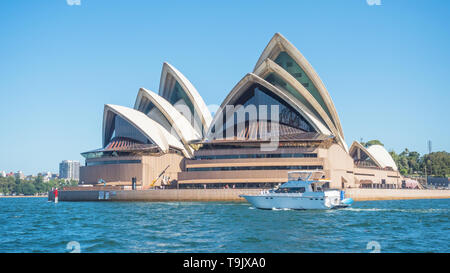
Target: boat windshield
[
  {"x": 316, "y": 187},
  {"x": 291, "y": 190},
  {"x": 304, "y": 175}
]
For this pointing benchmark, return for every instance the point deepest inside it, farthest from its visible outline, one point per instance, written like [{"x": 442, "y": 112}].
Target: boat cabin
[{"x": 303, "y": 181}]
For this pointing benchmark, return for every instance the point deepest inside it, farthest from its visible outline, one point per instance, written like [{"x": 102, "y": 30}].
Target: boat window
[
  {"x": 291, "y": 190},
  {"x": 316, "y": 188}
]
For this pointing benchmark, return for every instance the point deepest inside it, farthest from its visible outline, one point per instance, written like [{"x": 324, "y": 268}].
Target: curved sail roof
[
  {"x": 356, "y": 145},
  {"x": 251, "y": 79},
  {"x": 382, "y": 156},
  {"x": 177, "y": 89},
  {"x": 145, "y": 125},
  {"x": 286, "y": 55},
  {"x": 179, "y": 125},
  {"x": 275, "y": 74},
  {"x": 377, "y": 154}
]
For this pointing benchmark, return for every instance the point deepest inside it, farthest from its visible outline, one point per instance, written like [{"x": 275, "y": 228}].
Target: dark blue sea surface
[{"x": 36, "y": 225}]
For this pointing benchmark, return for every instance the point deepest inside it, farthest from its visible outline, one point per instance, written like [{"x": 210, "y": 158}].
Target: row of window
[
  {"x": 122, "y": 128},
  {"x": 291, "y": 190},
  {"x": 95, "y": 163},
  {"x": 295, "y": 155},
  {"x": 255, "y": 168},
  {"x": 269, "y": 185},
  {"x": 258, "y": 95},
  {"x": 289, "y": 64}
]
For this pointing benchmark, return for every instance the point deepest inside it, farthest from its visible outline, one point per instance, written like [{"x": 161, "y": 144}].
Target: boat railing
[{"x": 305, "y": 175}]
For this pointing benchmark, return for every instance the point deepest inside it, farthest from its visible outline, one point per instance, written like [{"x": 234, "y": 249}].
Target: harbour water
[{"x": 36, "y": 225}]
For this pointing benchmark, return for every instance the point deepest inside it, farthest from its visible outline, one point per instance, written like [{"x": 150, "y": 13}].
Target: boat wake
[
  {"x": 397, "y": 210},
  {"x": 276, "y": 209}
]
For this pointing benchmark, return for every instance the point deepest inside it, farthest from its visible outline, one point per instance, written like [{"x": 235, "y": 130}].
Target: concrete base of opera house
[
  {"x": 185, "y": 195},
  {"x": 395, "y": 194}
]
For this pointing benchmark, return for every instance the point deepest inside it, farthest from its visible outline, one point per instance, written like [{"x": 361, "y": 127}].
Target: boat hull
[{"x": 286, "y": 202}]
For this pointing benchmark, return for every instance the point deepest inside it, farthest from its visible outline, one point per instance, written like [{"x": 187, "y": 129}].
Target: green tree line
[
  {"x": 412, "y": 163},
  {"x": 12, "y": 185}
]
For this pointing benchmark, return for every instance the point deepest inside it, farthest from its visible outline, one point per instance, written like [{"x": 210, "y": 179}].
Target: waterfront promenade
[
  {"x": 232, "y": 194},
  {"x": 395, "y": 194},
  {"x": 22, "y": 196}
]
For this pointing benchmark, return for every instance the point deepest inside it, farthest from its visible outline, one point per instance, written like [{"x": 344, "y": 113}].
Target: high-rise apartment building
[{"x": 69, "y": 169}]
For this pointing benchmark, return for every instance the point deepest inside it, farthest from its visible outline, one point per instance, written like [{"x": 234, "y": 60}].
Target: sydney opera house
[{"x": 278, "y": 118}]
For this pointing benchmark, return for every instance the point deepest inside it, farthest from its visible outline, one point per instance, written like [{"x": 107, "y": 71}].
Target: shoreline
[
  {"x": 205, "y": 195},
  {"x": 359, "y": 194},
  {"x": 23, "y": 196}
]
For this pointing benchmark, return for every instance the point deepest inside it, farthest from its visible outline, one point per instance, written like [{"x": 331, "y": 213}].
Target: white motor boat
[{"x": 304, "y": 190}]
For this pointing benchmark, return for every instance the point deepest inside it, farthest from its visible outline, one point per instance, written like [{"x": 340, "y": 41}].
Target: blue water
[{"x": 35, "y": 225}]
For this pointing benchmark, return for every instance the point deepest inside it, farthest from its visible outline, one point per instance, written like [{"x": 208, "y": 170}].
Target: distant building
[
  {"x": 46, "y": 176},
  {"x": 19, "y": 174},
  {"x": 69, "y": 169},
  {"x": 438, "y": 182},
  {"x": 2, "y": 174},
  {"x": 29, "y": 178},
  {"x": 49, "y": 174}
]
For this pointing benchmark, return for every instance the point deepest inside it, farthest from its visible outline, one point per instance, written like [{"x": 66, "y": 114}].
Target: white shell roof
[
  {"x": 250, "y": 79},
  {"x": 148, "y": 127},
  {"x": 268, "y": 66},
  {"x": 180, "y": 125},
  {"x": 319, "y": 109},
  {"x": 199, "y": 105},
  {"x": 279, "y": 43},
  {"x": 382, "y": 156}
]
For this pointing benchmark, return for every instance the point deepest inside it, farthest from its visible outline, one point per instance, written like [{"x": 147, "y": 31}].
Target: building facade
[
  {"x": 279, "y": 117},
  {"x": 69, "y": 169},
  {"x": 19, "y": 175},
  {"x": 438, "y": 182}
]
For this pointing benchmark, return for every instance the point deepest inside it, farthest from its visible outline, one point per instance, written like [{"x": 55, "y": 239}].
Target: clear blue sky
[{"x": 386, "y": 67}]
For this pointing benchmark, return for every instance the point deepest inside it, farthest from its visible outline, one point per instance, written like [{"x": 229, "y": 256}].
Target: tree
[
  {"x": 40, "y": 186},
  {"x": 437, "y": 163},
  {"x": 410, "y": 162},
  {"x": 28, "y": 189},
  {"x": 372, "y": 142},
  {"x": 39, "y": 179}
]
